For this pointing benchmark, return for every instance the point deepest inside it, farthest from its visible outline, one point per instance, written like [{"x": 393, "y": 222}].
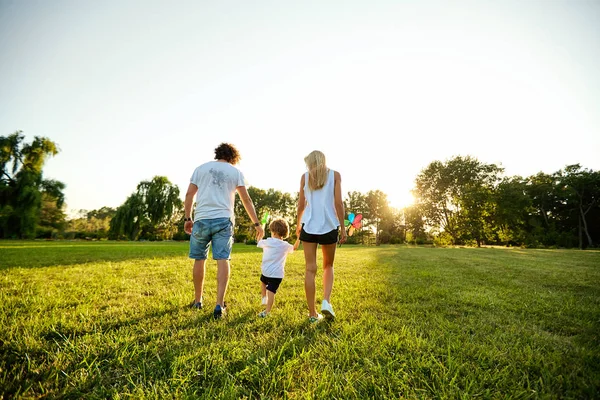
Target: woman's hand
[{"x": 343, "y": 236}]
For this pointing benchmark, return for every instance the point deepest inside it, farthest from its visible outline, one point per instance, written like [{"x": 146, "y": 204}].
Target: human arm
[
  {"x": 301, "y": 207},
  {"x": 339, "y": 205},
  {"x": 187, "y": 208},
  {"x": 249, "y": 207}
]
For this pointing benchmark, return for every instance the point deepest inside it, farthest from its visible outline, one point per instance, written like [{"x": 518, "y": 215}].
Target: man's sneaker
[
  {"x": 196, "y": 305},
  {"x": 327, "y": 310},
  {"x": 219, "y": 312},
  {"x": 263, "y": 314},
  {"x": 264, "y": 301},
  {"x": 318, "y": 318}
]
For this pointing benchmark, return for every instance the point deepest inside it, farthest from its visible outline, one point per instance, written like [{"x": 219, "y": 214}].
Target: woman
[{"x": 320, "y": 215}]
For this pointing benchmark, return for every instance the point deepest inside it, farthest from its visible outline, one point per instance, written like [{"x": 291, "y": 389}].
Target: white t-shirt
[
  {"x": 216, "y": 181},
  {"x": 275, "y": 252},
  {"x": 319, "y": 215}
]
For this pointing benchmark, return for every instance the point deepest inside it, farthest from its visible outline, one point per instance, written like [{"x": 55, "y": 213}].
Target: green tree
[
  {"x": 513, "y": 208},
  {"x": 583, "y": 189},
  {"x": 455, "y": 196},
  {"x": 271, "y": 201},
  {"x": 151, "y": 213},
  {"x": 415, "y": 224},
  {"x": 52, "y": 220},
  {"x": 378, "y": 210},
  {"x": 93, "y": 224},
  {"x": 22, "y": 186}
]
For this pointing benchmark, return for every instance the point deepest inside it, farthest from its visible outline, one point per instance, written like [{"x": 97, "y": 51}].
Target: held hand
[
  {"x": 187, "y": 227},
  {"x": 296, "y": 244},
  {"x": 260, "y": 233}
]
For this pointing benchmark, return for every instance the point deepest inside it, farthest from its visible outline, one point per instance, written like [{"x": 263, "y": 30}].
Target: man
[{"x": 215, "y": 184}]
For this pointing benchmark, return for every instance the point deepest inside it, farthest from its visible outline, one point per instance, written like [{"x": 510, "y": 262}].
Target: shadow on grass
[{"x": 38, "y": 254}]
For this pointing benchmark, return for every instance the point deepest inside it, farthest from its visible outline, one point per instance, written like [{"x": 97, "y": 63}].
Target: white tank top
[{"x": 319, "y": 215}]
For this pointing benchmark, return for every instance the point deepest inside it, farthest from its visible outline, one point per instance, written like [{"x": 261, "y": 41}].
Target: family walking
[{"x": 213, "y": 186}]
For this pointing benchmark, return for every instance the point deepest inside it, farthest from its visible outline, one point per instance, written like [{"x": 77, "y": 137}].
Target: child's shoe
[
  {"x": 313, "y": 320},
  {"x": 264, "y": 301},
  {"x": 263, "y": 314},
  {"x": 196, "y": 305}
]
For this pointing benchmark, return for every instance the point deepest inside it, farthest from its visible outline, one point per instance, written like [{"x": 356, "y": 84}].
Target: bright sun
[{"x": 401, "y": 199}]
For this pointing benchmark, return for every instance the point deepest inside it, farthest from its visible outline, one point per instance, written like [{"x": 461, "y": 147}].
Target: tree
[
  {"x": 150, "y": 213},
  {"x": 378, "y": 210},
  {"x": 93, "y": 224},
  {"x": 415, "y": 224},
  {"x": 271, "y": 201},
  {"x": 513, "y": 208},
  {"x": 22, "y": 187},
  {"x": 52, "y": 218},
  {"x": 583, "y": 186},
  {"x": 455, "y": 196}
]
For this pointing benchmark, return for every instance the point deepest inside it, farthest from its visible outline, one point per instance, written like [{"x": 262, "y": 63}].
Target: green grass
[{"x": 108, "y": 320}]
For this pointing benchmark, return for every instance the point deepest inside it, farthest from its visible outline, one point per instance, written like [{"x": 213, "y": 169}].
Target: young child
[{"x": 275, "y": 251}]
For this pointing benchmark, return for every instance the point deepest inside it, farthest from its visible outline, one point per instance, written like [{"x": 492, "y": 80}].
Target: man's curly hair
[{"x": 227, "y": 152}]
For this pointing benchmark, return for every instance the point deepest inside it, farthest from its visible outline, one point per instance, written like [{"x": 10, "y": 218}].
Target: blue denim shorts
[{"x": 218, "y": 232}]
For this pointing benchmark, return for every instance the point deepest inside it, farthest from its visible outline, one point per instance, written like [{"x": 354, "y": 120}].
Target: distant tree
[
  {"x": 513, "y": 208},
  {"x": 415, "y": 224},
  {"x": 455, "y": 196},
  {"x": 271, "y": 201},
  {"x": 378, "y": 210},
  {"x": 52, "y": 220},
  {"x": 22, "y": 187},
  {"x": 93, "y": 224},
  {"x": 392, "y": 229},
  {"x": 583, "y": 190},
  {"x": 152, "y": 212}
]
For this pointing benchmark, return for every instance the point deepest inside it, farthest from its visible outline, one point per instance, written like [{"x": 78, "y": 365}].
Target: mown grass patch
[{"x": 108, "y": 320}]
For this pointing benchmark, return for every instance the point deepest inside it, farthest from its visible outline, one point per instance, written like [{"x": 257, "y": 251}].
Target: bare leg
[
  {"x": 263, "y": 289},
  {"x": 270, "y": 300},
  {"x": 310, "y": 256},
  {"x": 222, "y": 280},
  {"x": 198, "y": 275},
  {"x": 328, "y": 257}
]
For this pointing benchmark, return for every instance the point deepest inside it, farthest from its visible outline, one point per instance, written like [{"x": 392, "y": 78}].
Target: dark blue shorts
[{"x": 271, "y": 283}]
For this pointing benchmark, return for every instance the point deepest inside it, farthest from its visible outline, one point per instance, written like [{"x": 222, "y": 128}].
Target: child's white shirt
[{"x": 275, "y": 252}]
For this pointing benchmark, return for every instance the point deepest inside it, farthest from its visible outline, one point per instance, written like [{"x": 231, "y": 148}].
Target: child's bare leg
[
  {"x": 263, "y": 289},
  {"x": 270, "y": 300}
]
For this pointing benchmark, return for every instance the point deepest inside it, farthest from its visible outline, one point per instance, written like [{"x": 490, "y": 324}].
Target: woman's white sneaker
[{"x": 327, "y": 310}]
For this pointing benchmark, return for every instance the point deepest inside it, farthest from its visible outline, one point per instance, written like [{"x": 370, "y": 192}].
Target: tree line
[{"x": 461, "y": 201}]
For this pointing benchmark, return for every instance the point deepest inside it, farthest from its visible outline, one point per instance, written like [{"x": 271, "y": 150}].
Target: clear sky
[{"x": 133, "y": 89}]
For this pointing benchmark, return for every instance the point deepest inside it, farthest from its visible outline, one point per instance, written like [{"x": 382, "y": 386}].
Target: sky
[{"x": 134, "y": 89}]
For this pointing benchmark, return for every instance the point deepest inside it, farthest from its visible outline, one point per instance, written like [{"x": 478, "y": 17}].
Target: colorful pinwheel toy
[{"x": 353, "y": 222}]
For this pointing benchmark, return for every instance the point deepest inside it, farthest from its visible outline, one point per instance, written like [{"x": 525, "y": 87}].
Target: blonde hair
[
  {"x": 317, "y": 169},
  {"x": 280, "y": 227}
]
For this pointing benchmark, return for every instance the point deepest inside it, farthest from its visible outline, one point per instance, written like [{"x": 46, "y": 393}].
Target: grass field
[{"x": 108, "y": 320}]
